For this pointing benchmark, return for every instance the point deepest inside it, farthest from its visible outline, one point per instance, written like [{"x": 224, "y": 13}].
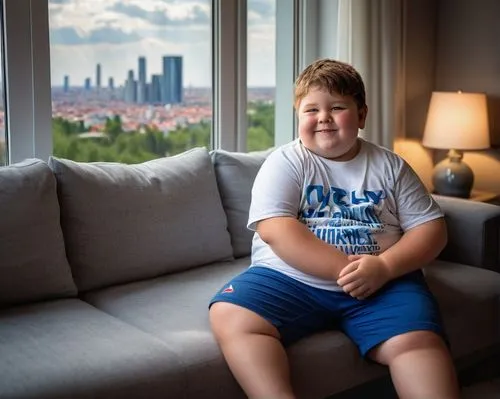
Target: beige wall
[{"x": 452, "y": 45}]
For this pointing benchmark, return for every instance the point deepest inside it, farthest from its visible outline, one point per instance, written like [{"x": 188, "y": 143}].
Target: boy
[{"x": 342, "y": 229}]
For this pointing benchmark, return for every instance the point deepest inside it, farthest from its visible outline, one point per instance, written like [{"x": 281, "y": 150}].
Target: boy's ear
[{"x": 362, "y": 116}]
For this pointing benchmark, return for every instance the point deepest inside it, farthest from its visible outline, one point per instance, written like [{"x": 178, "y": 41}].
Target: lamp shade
[{"x": 457, "y": 120}]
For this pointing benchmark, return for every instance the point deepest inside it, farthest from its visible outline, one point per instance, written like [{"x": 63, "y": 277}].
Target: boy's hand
[{"x": 363, "y": 276}]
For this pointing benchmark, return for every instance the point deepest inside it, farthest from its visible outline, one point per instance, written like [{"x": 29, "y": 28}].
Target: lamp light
[{"x": 456, "y": 121}]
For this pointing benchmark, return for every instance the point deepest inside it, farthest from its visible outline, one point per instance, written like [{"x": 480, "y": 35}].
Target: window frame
[{"x": 28, "y": 87}]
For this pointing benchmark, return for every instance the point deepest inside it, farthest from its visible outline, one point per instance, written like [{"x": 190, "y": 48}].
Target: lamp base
[{"x": 453, "y": 177}]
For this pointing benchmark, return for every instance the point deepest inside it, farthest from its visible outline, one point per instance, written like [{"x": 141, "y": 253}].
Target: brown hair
[{"x": 335, "y": 76}]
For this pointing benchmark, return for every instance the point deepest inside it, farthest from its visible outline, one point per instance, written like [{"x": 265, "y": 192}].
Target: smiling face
[{"x": 329, "y": 124}]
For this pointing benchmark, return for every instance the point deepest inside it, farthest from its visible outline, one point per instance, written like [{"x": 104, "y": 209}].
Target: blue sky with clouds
[{"x": 116, "y": 32}]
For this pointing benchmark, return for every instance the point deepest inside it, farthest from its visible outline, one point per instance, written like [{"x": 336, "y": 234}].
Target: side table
[
  {"x": 485, "y": 196},
  {"x": 482, "y": 196}
]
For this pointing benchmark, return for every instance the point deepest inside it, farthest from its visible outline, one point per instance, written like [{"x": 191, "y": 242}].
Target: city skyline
[
  {"x": 84, "y": 33},
  {"x": 96, "y": 80},
  {"x": 164, "y": 88}
]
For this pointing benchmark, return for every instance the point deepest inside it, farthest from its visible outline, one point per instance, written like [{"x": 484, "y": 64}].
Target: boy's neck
[{"x": 350, "y": 154}]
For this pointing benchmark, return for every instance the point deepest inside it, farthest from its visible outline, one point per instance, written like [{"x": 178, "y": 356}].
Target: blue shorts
[{"x": 296, "y": 309}]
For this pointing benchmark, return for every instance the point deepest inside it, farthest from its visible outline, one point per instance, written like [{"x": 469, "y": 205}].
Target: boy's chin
[{"x": 336, "y": 154}]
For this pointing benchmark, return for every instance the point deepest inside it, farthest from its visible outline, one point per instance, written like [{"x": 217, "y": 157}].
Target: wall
[
  {"x": 419, "y": 63},
  {"x": 468, "y": 58},
  {"x": 452, "y": 45}
]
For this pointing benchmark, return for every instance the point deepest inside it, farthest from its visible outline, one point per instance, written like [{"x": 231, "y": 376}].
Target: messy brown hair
[{"x": 335, "y": 76}]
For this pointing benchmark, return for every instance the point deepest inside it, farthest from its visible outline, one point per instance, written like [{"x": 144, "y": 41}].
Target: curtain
[{"x": 371, "y": 38}]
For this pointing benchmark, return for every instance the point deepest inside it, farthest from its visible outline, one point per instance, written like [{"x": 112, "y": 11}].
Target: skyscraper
[
  {"x": 130, "y": 88},
  {"x": 172, "y": 80},
  {"x": 87, "y": 84},
  {"x": 155, "y": 91},
  {"x": 141, "y": 83},
  {"x": 66, "y": 83},
  {"x": 98, "y": 76},
  {"x": 142, "y": 69}
]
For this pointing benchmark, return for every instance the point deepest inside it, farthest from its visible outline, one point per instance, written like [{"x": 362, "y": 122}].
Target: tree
[
  {"x": 3, "y": 155},
  {"x": 135, "y": 147},
  {"x": 260, "y": 135},
  {"x": 113, "y": 127}
]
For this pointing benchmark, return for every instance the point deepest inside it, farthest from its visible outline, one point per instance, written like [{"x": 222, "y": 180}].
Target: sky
[{"x": 115, "y": 33}]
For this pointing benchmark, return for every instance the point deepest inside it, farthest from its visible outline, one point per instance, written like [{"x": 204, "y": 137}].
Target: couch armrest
[{"x": 473, "y": 232}]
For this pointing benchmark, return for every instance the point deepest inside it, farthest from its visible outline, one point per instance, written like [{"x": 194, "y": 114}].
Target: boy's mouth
[{"x": 326, "y": 131}]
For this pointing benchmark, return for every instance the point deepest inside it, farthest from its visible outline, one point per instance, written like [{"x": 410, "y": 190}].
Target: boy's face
[{"x": 328, "y": 124}]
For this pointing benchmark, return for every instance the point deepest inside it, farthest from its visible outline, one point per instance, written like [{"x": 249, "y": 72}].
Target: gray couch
[{"x": 106, "y": 271}]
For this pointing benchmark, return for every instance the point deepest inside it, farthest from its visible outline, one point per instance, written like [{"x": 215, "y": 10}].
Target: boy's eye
[
  {"x": 337, "y": 108},
  {"x": 311, "y": 110}
]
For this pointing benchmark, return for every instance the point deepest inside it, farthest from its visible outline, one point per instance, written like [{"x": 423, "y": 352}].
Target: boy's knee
[
  {"x": 403, "y": 343},
  {"x": 227, "y": 319}
]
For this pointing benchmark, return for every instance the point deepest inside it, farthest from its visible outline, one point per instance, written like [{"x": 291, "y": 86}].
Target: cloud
[
  {"x": 196, "y": 15},
  {"x": 264, "y": 8},
  {"x": 178, "y": 36},
  {"x": 70, "y": 36}
]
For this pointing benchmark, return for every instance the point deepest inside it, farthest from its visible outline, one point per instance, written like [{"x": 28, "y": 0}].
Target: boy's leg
[
  {"x": 400, "y": 326},
  {"x": 256, "y": 315},
  {"x": 420, "y": 365},
  {"x": 253, "y": 351}
]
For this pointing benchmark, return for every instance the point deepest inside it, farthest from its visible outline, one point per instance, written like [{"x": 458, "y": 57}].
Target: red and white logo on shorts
[{"x": 228, "y": 290}]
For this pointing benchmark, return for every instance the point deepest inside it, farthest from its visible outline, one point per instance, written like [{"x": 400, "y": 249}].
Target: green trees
[
  {"x": 260, "y": 134},
  {"x": 116, "y": 145},
  {"x": 3, "y": 155}
]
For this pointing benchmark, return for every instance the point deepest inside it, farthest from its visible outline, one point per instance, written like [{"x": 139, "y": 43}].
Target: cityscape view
[
  {"x": 132, "y": 80},
  {"x": 159, "y": 102}
]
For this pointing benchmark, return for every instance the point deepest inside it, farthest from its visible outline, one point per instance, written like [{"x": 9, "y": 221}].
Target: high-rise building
[
  {"x": 66, "y": 83},
  {"x": 111, "y": 83},
  {"x": 155, "y": 90},
  {"x": 98, "y": 76},
  {"x": 130, "y": 88},
  {"x": 87, "y": 84},
  {"x": 141, "y": 83},
  {"x": 142, "y": 69},
  {"x": 172, "y": 80}
]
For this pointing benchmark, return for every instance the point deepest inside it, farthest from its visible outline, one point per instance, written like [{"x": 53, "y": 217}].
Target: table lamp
[{"x": 456, "y": 121}]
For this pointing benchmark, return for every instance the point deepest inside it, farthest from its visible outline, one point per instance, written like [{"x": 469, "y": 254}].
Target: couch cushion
[
  {"x": 469, "y": 298},
  {"x": 174, "y": 308},
  {"x": 69, "y": 349},
  {"x": 33, "y": 264},
  {"x": 235, "y": 172},
  {"x": 127, "y": 222}
]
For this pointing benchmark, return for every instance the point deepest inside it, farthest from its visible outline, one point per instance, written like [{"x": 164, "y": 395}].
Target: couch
[{"x": 106, "y": 271}]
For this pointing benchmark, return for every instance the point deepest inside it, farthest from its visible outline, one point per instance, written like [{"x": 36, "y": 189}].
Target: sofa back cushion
[
  {"x": 33, "y": 264},
  {"x": 129, "y": 222},
  {"x": 235, "y": 172}
]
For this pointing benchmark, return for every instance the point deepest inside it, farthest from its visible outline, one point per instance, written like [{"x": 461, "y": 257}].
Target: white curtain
[{"x": 371, "y": 38}]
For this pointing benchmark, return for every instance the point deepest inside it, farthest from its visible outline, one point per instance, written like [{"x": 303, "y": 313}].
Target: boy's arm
[
  {"x": 416, "y": 248},
  {"x": 293, "y": 242}
]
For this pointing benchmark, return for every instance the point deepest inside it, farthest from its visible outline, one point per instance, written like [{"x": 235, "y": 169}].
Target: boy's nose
[{"x": 325, "y": 117}]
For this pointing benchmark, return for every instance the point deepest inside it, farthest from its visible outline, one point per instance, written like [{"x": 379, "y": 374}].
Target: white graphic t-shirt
[{"x": 361, "y": 206}]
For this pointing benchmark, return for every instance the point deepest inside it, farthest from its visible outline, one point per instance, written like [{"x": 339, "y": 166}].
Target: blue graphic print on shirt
[{"x": 344, "y": 219}]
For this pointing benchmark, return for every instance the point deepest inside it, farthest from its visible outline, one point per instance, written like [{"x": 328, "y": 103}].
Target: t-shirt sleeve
[
  {"x": 276, "y": 190},
  {"x": 414, "y": 202}
]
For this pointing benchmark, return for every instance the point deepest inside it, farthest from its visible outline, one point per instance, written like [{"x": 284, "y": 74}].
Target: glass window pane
[
  {"x": 261, "y": 75},
  {"x": 131, "y": 80},
  {"x": 3, "y": 130}
]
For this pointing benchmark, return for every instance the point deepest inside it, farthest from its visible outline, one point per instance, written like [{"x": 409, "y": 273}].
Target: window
[
  {"x": 131, "y": 80},
  {"x": 60, "y": 98},
  {"x": 3, "y": 135},
  {"x": 261, "y": 73}
]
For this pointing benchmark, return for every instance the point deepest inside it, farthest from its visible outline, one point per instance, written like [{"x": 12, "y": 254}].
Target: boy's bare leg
[
  {"x": 253, "y": 351},
  {"x": 420, "y": 366}
]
